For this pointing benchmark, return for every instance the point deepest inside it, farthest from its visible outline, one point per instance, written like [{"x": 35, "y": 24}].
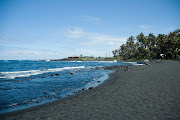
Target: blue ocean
[{"x": 28, "y": 83}]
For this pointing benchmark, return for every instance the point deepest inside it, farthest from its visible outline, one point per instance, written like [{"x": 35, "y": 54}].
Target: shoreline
[
  {"x": 90, "y": 85},
  {"x": 145, "y": 92},
  {"x": 70, "y": 93}
]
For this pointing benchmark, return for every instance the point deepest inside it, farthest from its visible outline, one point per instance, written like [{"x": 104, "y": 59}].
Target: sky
[{"x": 54, "y": 29}]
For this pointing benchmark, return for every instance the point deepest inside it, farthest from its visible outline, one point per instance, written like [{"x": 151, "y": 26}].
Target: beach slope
[{"x": 148, "y": 92}]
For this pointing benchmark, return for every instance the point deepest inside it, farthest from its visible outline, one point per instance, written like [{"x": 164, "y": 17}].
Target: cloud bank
[{"x": 90, "y": 38}]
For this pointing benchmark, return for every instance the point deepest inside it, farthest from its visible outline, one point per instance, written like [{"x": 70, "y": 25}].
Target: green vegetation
[{"x": 150, "y": 47}]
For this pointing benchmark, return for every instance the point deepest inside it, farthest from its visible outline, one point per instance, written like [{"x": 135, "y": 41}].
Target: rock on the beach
[
  {"x": 75, "y": 91},
  {"x": 91, "y": 87},
  {"x": 84, "y": 89},
  {"x": 98, "y": 81}
]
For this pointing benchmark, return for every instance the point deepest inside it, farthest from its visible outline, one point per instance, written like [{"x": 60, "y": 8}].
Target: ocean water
[{"x": 28, "y": 83}]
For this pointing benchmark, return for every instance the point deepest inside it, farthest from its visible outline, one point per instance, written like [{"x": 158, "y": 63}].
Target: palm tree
[
  {"x": 172, "y": 44},
  {"x": 123, "y": 49},
  {"x": 141, "y": 39},
  {"x": 115, "y": 52},
  {"x": 160, "y": 44},
  {"x": 151, "y": 41},
  {"x": 151, "y": 46},
  {"x": 131, "y": 46}
]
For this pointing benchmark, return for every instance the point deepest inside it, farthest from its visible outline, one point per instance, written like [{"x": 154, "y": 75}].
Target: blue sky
[{"x": 52, "y": 29}]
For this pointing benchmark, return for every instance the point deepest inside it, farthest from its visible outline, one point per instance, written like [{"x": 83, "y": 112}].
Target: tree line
[{"x": 150, "y": 47}]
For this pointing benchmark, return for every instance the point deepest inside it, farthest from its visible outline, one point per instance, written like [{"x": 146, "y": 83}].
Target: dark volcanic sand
[{"x": 144, "y": 93}]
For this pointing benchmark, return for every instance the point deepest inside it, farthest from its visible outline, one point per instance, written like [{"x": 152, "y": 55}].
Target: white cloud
[
  {"x": 18, "y": 53},
  {"x": 75, "y": 32},
  {"x": 145, "y": 26},
  {"x": 90, "y": 43},
  {"x": 76, "y": 41},
  {"x": 90, "y": 38}
]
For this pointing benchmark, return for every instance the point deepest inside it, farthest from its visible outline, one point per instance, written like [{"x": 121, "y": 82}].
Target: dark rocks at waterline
[
  {"x": 78, "y": 91},
  {"x": 75, "y": 91},
  {"x": 84, "y": 89},
  {"x": 91, "y": 87},
  {"x": 57, "y": 74},
  {"x": 98, "y": 81},
  {"x": 72, "y": 73}
]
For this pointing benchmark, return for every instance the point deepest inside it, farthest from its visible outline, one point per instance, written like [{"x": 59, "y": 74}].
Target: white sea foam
[
  {"x": 138, "y": 64},
  {"x": 133, "y": 63},
  {"x": 12, "y": 75}
]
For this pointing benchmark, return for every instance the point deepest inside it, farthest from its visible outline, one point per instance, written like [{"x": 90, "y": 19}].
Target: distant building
[{"x": 74, "y": 56}]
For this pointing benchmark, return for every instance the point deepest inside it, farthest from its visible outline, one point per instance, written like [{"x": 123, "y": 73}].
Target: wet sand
[{"x": 149, "y": 92}]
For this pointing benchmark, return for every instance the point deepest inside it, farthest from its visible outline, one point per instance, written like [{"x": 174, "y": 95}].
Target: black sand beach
[{"x": 149, "y": 92}]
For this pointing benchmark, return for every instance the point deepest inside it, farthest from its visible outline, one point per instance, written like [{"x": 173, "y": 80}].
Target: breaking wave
[
  {"x": 134, "y": 63},
  {"x": 12, "y": 75}
]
